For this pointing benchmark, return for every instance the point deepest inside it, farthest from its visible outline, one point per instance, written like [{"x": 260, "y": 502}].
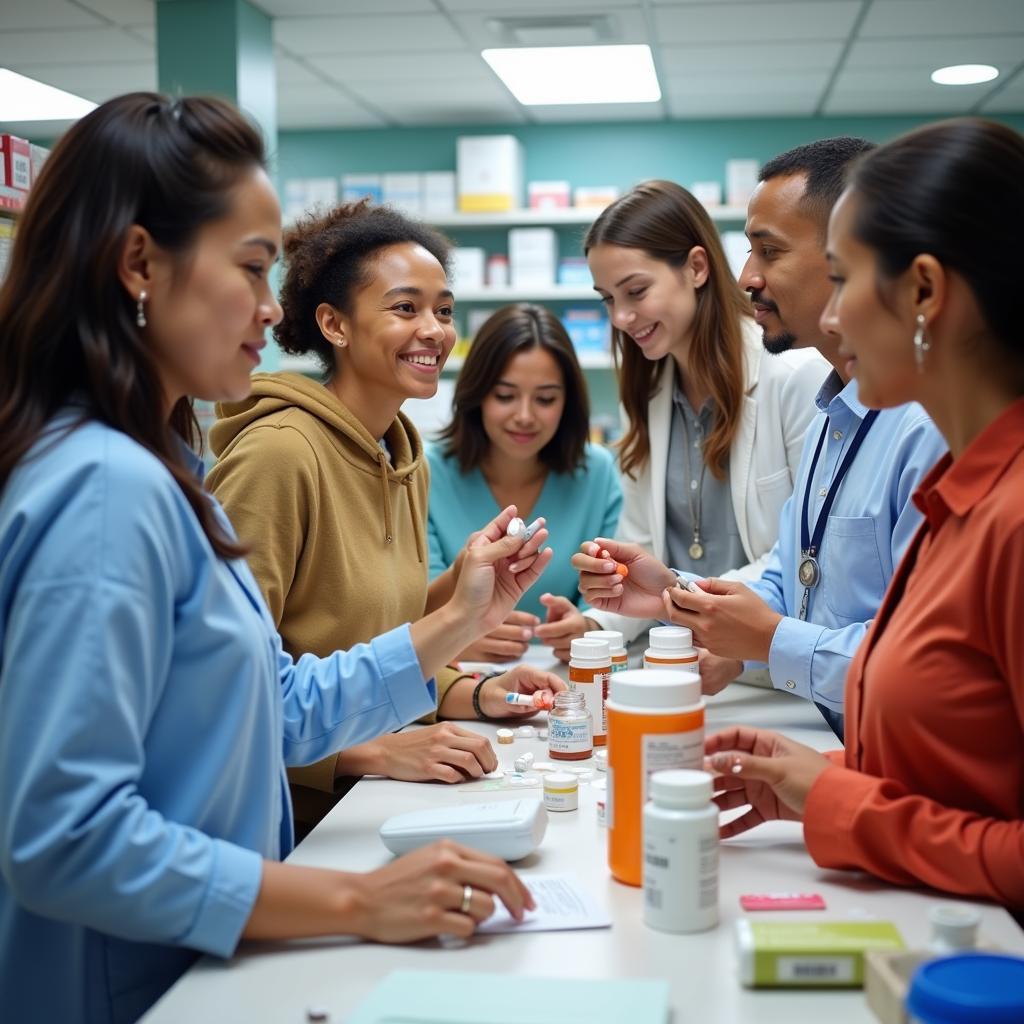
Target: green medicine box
[{"x": 810, "y": 954}]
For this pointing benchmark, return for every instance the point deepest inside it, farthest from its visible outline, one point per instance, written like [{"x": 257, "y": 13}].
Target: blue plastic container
[{"x": 969, "y": 988}]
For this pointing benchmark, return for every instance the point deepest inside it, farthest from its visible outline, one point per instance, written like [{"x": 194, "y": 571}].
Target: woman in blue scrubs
[{"x": 147, "y": 710}]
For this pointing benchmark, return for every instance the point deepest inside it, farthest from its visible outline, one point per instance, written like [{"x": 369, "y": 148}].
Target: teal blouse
[{"x": 577, "y": 506}]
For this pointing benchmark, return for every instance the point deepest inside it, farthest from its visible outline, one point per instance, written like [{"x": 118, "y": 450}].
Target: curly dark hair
[{"x": 328, "y": 256}]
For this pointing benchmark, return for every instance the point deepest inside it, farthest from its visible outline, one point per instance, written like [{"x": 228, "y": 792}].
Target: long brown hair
[
  {"x": 67, "y": 325},
  {"x": 666, "y": 222},
  {"x": 507, "y": 332}
]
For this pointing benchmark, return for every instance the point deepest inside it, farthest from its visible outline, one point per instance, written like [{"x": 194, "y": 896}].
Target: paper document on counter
[{"x": 561, "y": 906}]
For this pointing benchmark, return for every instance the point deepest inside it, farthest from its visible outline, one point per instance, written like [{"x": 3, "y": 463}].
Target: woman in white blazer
[{"x": 714, "y": 425}]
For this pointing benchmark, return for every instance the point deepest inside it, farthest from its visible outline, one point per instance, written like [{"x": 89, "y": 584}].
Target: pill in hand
[
  {"x": 621, "y": 570},
  {"x": 515, "y": 527}
]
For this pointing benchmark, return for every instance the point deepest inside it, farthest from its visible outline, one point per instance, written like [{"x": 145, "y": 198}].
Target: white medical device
[{"x": 510, "y": 829}]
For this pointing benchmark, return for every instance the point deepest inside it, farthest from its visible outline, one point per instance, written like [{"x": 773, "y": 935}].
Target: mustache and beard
[{"x": 781, "y": 341}]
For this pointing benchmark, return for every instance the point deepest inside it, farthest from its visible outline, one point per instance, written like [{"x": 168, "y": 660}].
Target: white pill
[
  {"x": 542, "y": 734},
  {"x": 544, "y": 766},
  {"x": 515, "y": 527},
  {"x": 526, "y": 732}
]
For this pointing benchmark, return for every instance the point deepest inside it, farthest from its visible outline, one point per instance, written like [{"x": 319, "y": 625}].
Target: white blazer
[{"x": 778, "y": 405}]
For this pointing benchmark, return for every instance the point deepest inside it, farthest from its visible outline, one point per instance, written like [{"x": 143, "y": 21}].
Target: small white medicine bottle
[
  {"x": 671, "y": 647},
  {"x": 680, "y": 863}
]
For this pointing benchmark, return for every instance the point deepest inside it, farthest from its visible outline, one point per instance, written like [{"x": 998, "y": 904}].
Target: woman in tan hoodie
[{"x": 328, "y": 481}]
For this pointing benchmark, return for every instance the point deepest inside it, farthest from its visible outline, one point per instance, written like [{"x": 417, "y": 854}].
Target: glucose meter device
[{"x": 510, "y": 829}]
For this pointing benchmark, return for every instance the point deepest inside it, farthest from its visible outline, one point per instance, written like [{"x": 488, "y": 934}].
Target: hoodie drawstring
[
  {"x": 417, "y": 522},
  {"x": 382, "y": 461}
]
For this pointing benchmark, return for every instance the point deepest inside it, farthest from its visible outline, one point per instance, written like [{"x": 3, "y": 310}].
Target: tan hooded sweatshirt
[{"x": 337, "y": 529}]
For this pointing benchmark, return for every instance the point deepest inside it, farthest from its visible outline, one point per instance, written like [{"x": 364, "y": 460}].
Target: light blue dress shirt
[
  {"x": 871, "y": 523},
  {"x": 578, "y": 507},
  {"x": 147, "y": 712}
]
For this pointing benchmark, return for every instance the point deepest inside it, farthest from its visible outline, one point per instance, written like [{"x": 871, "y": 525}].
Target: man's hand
[
  {"x": 506, "y": 643},
  {"x": 727, "y": 618},
  {"x": 716, "y": 673}
]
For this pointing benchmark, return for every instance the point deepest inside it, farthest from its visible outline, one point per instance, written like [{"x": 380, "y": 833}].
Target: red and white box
[{"x": 16, "y": 156}]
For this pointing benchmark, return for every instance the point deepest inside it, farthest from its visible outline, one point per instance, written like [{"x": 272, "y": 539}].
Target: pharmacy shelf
[
  {"x": 12, "y": 201},
  {"x": 531, "y": 293},
  {"x": 551, "y": 217},
  {"x": 311, "y": 365}
]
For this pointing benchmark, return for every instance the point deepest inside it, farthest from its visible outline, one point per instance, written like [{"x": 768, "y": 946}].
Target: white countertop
[{"x": 277, "y": 982}]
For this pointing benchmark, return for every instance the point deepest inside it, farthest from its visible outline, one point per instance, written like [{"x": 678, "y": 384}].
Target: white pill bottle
[
  {"x": 680, "y": 863},
  {"x": 671, "y": 647}
]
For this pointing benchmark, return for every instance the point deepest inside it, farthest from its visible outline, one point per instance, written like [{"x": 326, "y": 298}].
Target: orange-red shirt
[{"x": 932, "y": 790}]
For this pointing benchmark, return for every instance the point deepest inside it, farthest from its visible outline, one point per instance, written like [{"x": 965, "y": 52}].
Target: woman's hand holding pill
[
  {"x": 623, "y": 578},
  {"x": 523, "y": 679},
  {"x": 423, "y": 894},
  {"x": 765, "y": 771},
  {"x": 495, "y": 575}
]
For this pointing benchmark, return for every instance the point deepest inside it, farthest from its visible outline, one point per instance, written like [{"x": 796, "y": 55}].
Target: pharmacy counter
[{"x": 279, "y": 982}]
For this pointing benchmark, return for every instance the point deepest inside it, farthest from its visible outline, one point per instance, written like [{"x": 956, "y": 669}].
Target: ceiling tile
[
  {"x": 361, "y": 35},
  {"x": 739, "y": 58},
  {"x": 318, "y": 8},
  {"x": 1009, "y": 100},
  {"x": 412, "y": 67},
  {"x": 21, "y": 15},
  {"x": 292, "y": 72},
  {"x": 96, "y": 82},
  {"x": 886, "y": 18},
  {"x": 767, "y": 21},
  {"x": 1005, "y": 52},
  {"x": 321, "y": 108},
  {"x": 598, "y": 112},
  {"x": 480, "y": 90},
  {"x": 100, "y": 45},
  {"x": 807, "y": 82},
  {"x": 455, "y": 111},
  {"x": 123, "y": 12},
  {"x": 871, "y": 97},
  {"x": 718, "y": 106}
]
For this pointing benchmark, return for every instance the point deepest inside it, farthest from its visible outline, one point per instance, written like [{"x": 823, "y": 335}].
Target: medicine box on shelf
[{"x": 490, "y": 173}]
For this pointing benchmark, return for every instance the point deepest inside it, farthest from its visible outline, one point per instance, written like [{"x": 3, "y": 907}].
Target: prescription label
[
  {"x": 569, "y": 738},
  {"x": 671, "y": 750},
  {"x": 593, "y": 684}
]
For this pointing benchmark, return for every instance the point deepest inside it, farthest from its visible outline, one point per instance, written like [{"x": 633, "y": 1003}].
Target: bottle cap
[
  {"x": 601, "y": 759},
  {"x": 953, "y": 926},
  {"x": 561, "y": 780},
  {"x": 967, "y": 988},
  {"x": 681, "y": 787},
  {"x": 588, "y": 649},
  {"x": 670, "y": 638},
  {"x": 659, "y": 688},
  {"x": 612, "y": 637}
]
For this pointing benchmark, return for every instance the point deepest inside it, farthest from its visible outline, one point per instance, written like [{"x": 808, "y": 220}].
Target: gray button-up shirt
[{"x": 686, "y": 491}]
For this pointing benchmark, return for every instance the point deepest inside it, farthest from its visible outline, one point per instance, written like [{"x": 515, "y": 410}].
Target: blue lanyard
[{"x": 810, "y": 543}]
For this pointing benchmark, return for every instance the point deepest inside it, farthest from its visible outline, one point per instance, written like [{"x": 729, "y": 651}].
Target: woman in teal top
[{"x": 518, "y": 436}]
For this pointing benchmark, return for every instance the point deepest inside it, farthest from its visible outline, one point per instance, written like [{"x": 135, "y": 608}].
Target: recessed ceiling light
[
  {"x": 964, "y": 74},
  {"x": 544, "y": 75},
  {"x": 25, "y": 99}
]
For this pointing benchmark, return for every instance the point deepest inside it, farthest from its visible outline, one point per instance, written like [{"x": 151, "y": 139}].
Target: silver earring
[
  {"x": 921, "y": 345},
  {"x": 140, "y": 310}
]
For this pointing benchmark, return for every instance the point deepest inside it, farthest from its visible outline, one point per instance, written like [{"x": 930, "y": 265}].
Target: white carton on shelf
[
  {"x": 548, "y": 195},
  {"x": 438, "y": 188},
  {"x": 359, "y": 186},
  {"x": 402, "y": 191},
  {"x": 707, "y": 192},
  {"x": 467, "y": 267},
  {"x": 532, "y": 257},
  {"x": 740, "y": 181},
  {"x": 490, "y": 173}
]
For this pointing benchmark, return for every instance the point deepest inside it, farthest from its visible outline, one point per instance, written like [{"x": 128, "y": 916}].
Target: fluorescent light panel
[
  {"x": 964, "y": 74},
  {"x": 546, "y": 75},
  {"x": 25, "y": 99}
]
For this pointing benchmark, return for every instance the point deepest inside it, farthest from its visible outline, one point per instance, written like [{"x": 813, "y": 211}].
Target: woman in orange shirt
[{"x": 930, "y": 788}]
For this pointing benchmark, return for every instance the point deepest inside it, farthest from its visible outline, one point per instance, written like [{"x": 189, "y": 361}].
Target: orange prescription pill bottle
[
  {"x": 590, "y": 668},
  {"x": 671, "y": 647},
  {"x": 655, "y": 722},
  {"x": 620, "y": 660}
]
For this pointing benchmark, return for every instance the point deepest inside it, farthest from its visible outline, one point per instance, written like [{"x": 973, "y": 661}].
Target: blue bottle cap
[{"x": 968, "y": 988}]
